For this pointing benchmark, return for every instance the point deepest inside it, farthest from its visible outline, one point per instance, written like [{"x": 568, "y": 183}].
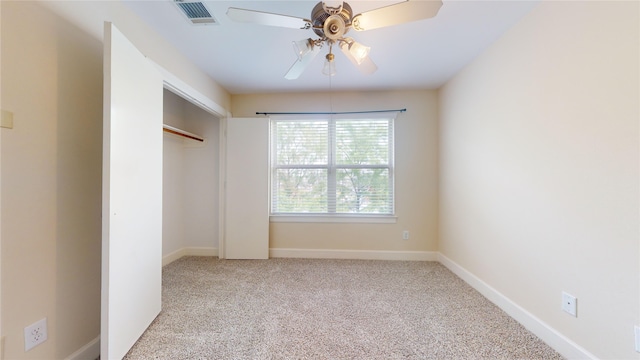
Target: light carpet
[{"x": 328, "y": 309}]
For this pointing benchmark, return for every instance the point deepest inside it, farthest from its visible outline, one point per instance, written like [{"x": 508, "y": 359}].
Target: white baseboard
[
  {"x": 354, "y": 254},
  {"x": 90, "y": 351},
  {"x": 189, "y": 251},
  {"x": 171, "y": 257},
  {"x": 549, "y": 335}
]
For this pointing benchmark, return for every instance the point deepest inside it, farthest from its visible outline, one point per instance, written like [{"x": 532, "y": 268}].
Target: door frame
[{"x": 195, "y": 97}]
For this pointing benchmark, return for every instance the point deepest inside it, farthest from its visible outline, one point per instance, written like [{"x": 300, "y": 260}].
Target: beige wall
[
  {"x": 539, "y": 169},
  {"x": 51, "y": 185},
  {"x": 416, "y": 170},
  {"x": 201, "y": 180},
  {"x": 51, "y": 166}
]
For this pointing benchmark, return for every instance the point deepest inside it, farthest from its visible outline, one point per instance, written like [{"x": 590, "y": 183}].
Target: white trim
[
  {"x": 90, "y": 351},
  {"x": 185, "y": 91},
  {"x": 354, "y": 254},
  {"x": 201, "y": 251},
  {"x": 546, "y": 333},
  {"x": 222, "y": 187},
  {"x": 189, "y": 251},
  {"x": 173, "y": 256},
  {"x": 177, "y": 86},
  {"x": 369, "y": 219}
]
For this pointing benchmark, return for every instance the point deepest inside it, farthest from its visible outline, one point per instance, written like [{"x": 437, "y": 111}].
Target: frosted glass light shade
[
  {"x": 302, "y": 47},
  {"x": 366, "y": 66},
  {"x": 359, "y": 52},
  {"x": 329, "y": 67}
]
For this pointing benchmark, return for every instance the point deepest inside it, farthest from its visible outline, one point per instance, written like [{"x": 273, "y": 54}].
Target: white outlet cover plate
[
  {"x": 637, "y": 332},
  {"x": 35, "y": 334},
  {"x": 569, "y": 304}
]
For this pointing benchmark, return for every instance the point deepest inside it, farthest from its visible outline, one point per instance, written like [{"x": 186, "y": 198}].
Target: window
[{"x": 330, "y": 166}]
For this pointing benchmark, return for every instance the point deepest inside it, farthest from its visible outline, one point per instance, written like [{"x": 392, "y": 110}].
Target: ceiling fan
[{"x": 331, "y": 21}]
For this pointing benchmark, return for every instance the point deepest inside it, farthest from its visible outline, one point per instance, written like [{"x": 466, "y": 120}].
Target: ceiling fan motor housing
[{"x": 328, "y": 25}]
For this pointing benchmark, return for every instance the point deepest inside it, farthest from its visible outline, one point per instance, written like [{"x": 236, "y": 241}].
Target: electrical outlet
[
  {"x": 570, "y": 304},
  {"x": 405, "y": 235},
  {"x": 35, "y": 334},
  {"x": 637, "y": 332}
]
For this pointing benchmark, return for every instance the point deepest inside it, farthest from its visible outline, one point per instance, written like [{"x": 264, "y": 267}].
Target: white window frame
[{"x": 333, "y": 217}]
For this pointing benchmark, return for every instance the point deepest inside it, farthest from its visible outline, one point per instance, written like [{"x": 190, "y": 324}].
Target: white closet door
[
  {"x": 132, "y": 195},
  {"x": 247, "y": 189}
]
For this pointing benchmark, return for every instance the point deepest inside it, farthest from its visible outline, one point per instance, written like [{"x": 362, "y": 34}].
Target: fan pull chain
[{"x": 330, "y": 95}]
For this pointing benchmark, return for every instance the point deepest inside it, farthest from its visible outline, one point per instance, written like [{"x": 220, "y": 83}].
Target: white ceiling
[{"x": 250, "y": 58}]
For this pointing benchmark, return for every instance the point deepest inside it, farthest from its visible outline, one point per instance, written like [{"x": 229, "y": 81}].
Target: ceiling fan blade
[
  {"x": 366, "y": 65},
  {"x": 265, "y": 18},
  {"x": 400, "y": 13},
  {"x": 299, "y": 66}
]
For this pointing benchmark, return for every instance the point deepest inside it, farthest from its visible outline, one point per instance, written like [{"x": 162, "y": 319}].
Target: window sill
[{"x": 369, "y": 219}]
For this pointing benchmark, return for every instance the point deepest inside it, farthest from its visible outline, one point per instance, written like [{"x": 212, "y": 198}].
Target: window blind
[{"x": 332, "y": 165}]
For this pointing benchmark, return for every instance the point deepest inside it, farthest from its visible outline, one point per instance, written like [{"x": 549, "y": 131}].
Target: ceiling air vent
[{"x": 196, "y": 12}]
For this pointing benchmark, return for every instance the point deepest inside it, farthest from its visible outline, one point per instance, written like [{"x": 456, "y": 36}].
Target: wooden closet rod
[{"x": 176, "y": 131}]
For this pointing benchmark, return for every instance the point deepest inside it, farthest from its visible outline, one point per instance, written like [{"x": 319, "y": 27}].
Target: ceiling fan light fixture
[
  {"x": 366, "y": 66},
  {"x": 355, "y": 51},
  {"x": 302, "y": 47},
  {"x": 329, "y": 65},
  {"x": 359, "y": 51},
  {"x": 332, "y": 7},
  {"x": 331, "y": 20},
  {"x": 334, "y": 27}
]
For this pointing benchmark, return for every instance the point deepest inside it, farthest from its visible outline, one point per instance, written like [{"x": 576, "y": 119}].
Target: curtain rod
[{"x": 329, "y": 113}]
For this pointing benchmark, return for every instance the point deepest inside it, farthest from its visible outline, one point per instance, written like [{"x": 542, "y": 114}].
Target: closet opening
[{"x": 191, "y": 180}]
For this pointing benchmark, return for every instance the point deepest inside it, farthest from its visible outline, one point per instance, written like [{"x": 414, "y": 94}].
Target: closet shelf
[{"x": 176, "y": 131}]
